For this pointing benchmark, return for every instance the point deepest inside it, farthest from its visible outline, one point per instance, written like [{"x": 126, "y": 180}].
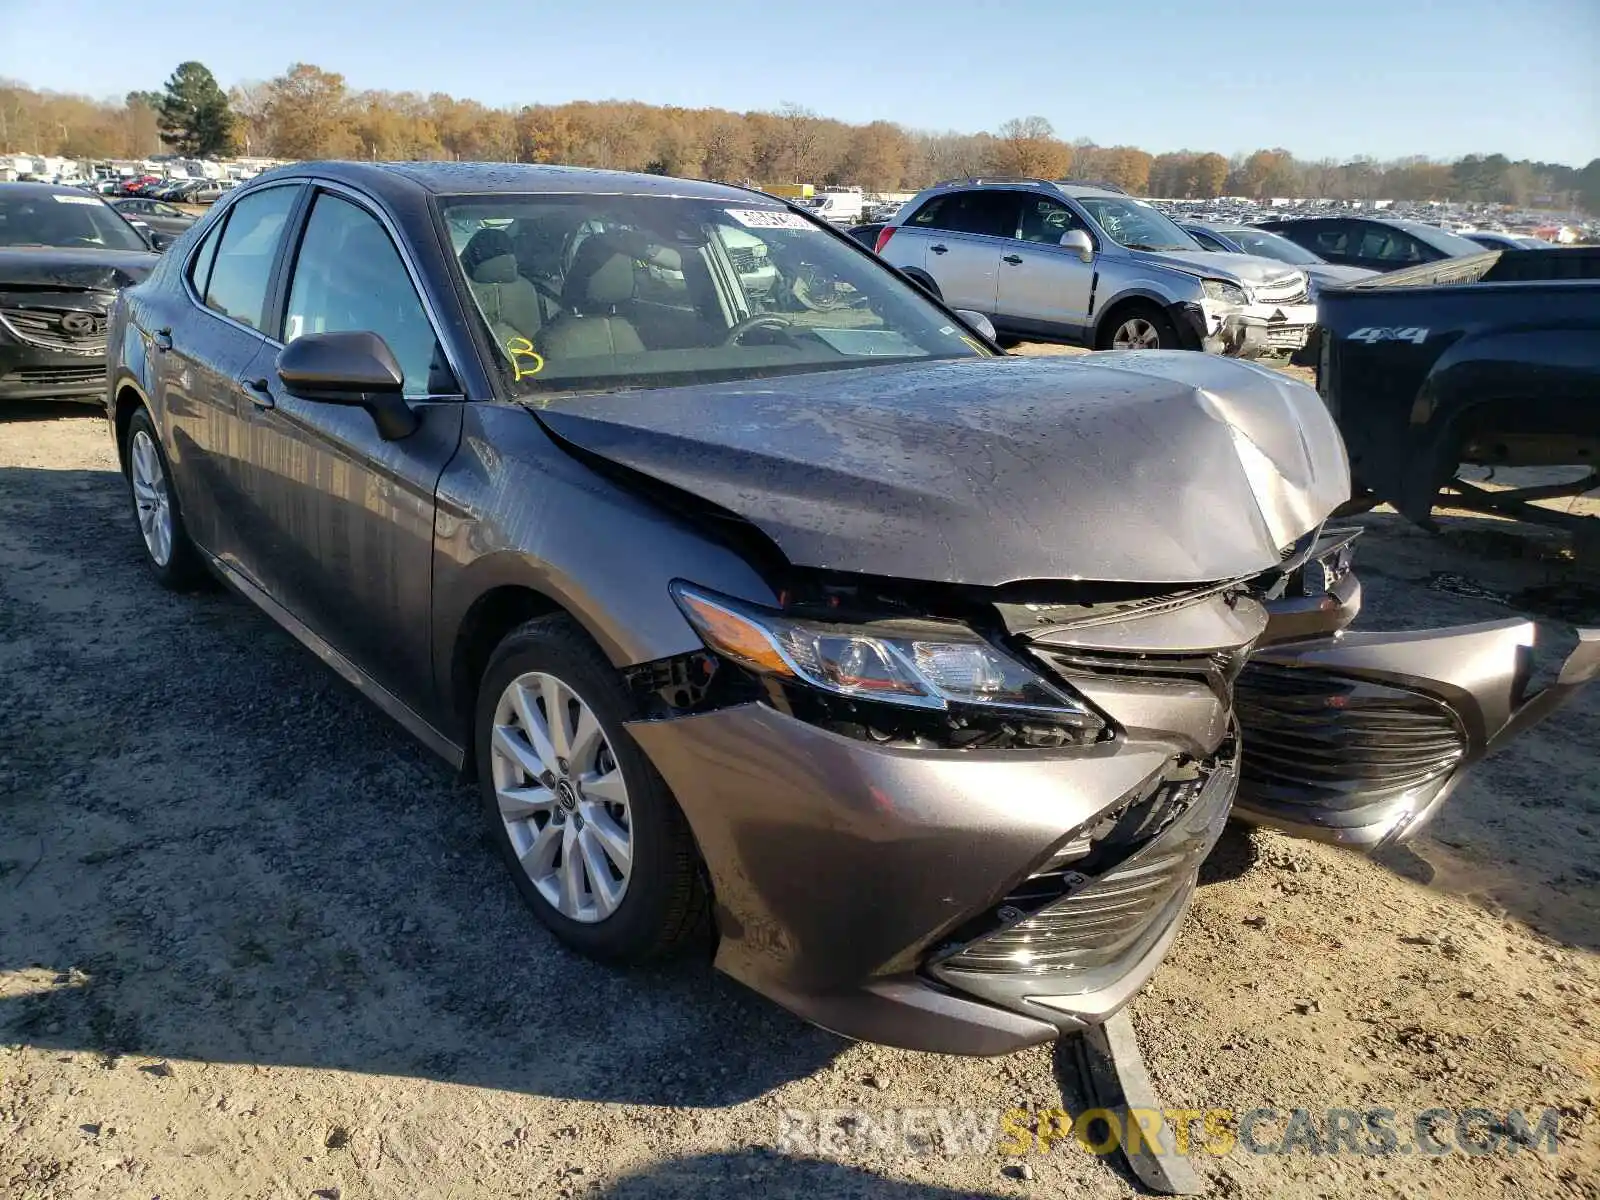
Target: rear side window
[
  {"x": 237, "y": 286},
  {"x": 992, "y": 213}
]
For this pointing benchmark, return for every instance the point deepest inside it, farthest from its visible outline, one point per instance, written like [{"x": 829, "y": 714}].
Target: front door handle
[
  {"x": 1014, "y": 259},
  {"x": 162, "y": 339},
  {"x": 940, "y": 249},
  {"x": 260, "y": 393}
]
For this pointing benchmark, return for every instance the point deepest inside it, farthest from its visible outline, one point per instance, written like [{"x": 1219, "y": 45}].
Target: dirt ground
[{"x": 253, "y": 944}]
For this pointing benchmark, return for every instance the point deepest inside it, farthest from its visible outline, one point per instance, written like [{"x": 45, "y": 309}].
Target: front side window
[
  {"x": 1207, "y": 242},
  {"x": 1046, "y": 221},
  {"x": 1136, "y": 224},
  {"x": 592, "y": 292},
  {"x": 68, "y": 219},
  {"x": 1388, "y": 246},
  {"x": 237, "y": 286},
  {"x": 348, "y": 276}
]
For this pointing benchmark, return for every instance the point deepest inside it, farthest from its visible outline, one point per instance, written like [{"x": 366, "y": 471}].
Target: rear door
[
  {"x": 970, "y": 233},
  {"x": 204, "y": 355},
  {"x": 1042, "y": 287},
  {"x": 341, "y": 521}
]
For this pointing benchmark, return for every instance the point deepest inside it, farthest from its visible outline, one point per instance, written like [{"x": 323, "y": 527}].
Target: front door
[
  {"x": 1042, "y": 286},
  {"x": 342, "y": 530}
]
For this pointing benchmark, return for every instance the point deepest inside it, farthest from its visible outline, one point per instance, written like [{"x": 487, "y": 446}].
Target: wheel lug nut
[
  {"x": 548, "y": 779},
  {"x": 564, "y": 765}
]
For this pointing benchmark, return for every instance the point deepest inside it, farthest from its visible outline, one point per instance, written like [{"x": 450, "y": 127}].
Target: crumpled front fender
[{"x": 1359, "y": 738}]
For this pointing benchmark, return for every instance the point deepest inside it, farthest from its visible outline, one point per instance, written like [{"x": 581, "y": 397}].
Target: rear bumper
[{"x": 867, "y": 888}]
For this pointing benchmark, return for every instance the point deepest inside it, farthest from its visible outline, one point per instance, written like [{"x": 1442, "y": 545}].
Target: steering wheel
[{"x": 760, "y": 321}]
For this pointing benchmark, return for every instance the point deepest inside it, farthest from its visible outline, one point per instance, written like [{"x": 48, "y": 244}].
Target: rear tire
[
  {"x": 593, "y": 839},
  {"x": 1139, "y": 327},
  {"x": 168, "y": 552}
]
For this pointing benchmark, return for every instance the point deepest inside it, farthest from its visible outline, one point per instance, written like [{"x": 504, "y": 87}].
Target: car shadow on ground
[
  {"x": 212, "y": 849},
  {"x": 741, "y": 1174}
]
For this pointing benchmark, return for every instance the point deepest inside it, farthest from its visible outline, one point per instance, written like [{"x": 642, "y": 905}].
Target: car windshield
[
  {"x": 1136, "y": 224},
  {"x": 1451, "y": 244},
  {"x": 67, "y": 219},
  {"x": 1270, "y": 245},
  {"x": 584, "y": 293}
]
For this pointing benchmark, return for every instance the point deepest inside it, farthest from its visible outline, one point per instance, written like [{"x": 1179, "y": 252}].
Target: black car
[
  {"x": 64, "y": 254},
  {"x": 867, "y": 234},
  {"x": 1378, "y": 244},
  {"x": 1491, "y": 240},
  {"x": 158, "y": 215}
]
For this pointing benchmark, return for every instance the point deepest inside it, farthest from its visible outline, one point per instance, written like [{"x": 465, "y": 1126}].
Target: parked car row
[
  {"x": 1087, "y": 264},
  {"x": 915, "y": 679}
]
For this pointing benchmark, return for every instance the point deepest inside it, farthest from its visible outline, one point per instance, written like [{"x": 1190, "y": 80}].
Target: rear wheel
[
  {"x": 1139, "y": 327},
  {"x": 169, "y": 553},
  {"x": 594, "y": 840}
]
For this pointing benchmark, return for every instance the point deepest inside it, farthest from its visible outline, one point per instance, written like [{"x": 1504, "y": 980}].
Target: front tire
[
  {"x": 593, "y": 838},
  {"x": 1139, "y": 327},
  {"x": 168, "y": 552}
]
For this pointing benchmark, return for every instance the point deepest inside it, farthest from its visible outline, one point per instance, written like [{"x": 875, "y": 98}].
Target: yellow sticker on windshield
[{"x": 521, "y": 349}]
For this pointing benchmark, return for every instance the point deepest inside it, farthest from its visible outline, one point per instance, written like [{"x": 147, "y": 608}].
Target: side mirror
[
  {"x": 159, "y": 241},
  {"x": 356, "y": 369},
  {"x": 1077, "y": 242},
  {"x": 978, "y": 321}
]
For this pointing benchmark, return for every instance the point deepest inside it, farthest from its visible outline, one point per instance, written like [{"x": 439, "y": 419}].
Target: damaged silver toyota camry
[{"x": 770, "y": 606}]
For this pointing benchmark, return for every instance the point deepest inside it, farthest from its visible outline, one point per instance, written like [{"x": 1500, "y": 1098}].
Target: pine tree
[{"x": 195, "y": 118}]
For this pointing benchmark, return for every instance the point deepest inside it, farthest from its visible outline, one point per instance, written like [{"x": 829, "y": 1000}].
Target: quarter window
[
  {"x": 237, "y": 286},
  {"x": 200, "y": 264},
  {"x": 348, "y": 276}
]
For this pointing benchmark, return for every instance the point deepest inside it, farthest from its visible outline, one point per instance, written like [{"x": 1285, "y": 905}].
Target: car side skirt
[{"x": 412, "y": 721}]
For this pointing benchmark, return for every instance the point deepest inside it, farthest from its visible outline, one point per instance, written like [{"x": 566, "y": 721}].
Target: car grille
[
  {"x": 72, "y": 329},
  {"x": 1064, "y": 921},
  {"x": 1315, "y": 737},
  {"x": 1282, "y": 291},
  {"x": 1292, "y": 336},
  {"x": 56, "y": 376},
  {"x": 1217, "y": 670}
]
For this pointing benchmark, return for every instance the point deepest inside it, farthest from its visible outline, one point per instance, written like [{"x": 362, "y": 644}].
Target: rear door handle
[
  {"x": 940, "y": 249},
  {"x": 163, "y": 339},
  {"x": 260, "y": 392},
  {"x": 1014, "y": 259}
]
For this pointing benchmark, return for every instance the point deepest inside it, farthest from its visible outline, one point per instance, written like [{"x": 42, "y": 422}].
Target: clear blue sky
[{"x": 1335, "y": 79}]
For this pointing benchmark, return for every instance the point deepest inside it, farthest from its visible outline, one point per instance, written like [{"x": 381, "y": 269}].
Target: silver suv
[{"x": 1068, "y": 262}]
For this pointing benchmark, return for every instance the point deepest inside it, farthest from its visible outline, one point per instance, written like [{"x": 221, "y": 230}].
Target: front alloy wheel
[
  {"x": 1136, "y": 333},
  {"x": 562, "y": 797},
  {"x": 594, "y": 839}
]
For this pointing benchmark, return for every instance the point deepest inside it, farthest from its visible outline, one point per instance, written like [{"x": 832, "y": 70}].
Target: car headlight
[
  {"x": 1221, "y": 289},
  {"x": 925, "y": 665}
]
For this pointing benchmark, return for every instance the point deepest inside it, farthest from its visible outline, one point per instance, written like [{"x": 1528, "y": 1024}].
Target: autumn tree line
[{"x": 308, "y": 112}]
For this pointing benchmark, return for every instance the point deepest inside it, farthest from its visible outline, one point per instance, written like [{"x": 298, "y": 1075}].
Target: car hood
[
  {"x": 1150, "y": 467},
  {"x": 1247, "y": 267},
  {"x": 71, "y": 268},
  {"x": 1333, "y": 275}
]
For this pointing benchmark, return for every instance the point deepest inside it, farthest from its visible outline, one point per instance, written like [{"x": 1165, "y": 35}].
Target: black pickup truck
[{"x": 1492, "y": 359}]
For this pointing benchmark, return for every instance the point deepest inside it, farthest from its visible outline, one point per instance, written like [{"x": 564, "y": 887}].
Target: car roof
[
  {"x": 45, "y": 189},
  {"x": 469, "y": 178}
]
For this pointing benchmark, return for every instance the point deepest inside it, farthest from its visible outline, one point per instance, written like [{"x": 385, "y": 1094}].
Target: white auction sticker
[
  {"x": 62, "y": 198},
  {"x": 768, "y": 218}
]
